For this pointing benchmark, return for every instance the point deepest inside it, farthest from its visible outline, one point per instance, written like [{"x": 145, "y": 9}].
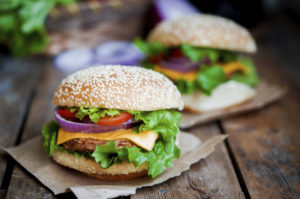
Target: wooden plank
[
  {"x": 265, "y": 144},
  {"x": 23, "y": 185},
  {"x": 2, "y": 193},
  {"x": 17, "y": 81},
  {"x": 266, "y": 147},
  {"x": 213, "y": 177},
  {"x": 42, "y": 109},
  {"x": 282, "y": 44}
]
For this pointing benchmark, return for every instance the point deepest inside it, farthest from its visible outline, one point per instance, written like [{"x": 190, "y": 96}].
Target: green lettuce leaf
[
  {"x": 135, "y": 155},
  {"x": 164, "y": 122},
  {"x": 49, "y": 133},
  {"x": 197, "y": 53},
  {"x": 150, "y": 49},
  {"x": 210, "y": 77},
  {"x": 186, "y": 87},
  {"x": 250, "y": 78},
  {"x": 22, "y": 24},
  {"x": 94, "y": 113},
  {"x": 7, "y": 5},
  {"x": 106, "y": 155},
  {"x": 146, "y": 64},
  {"x": 228, "y": 56},
  {"x": 159, "y": 158}
]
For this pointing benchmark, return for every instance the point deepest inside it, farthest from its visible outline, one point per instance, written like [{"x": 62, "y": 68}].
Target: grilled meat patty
[{"x": 89, "y": 144}]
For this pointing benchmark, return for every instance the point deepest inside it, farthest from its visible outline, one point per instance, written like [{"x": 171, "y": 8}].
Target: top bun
[
  {"x": 118, "y": 87},
  {"x": 204, "y": 31}
]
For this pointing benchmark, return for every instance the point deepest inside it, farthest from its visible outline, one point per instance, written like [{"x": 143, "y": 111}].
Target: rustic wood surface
[
  {"x": 213, "y": 177},
  {"x": 113, "y": 20},
  {"x": 40, "y": 112},
  {"x": 260, "y": 159},
  {"x": 16, "y": 89}
]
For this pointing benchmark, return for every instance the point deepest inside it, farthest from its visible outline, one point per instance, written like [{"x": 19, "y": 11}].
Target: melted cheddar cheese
[
  {"x": 175, "y": 75},
  {"x": 234, "y": 67},
  {"x": 191, "y": 76},
  {"x": 145, "y": 139}
]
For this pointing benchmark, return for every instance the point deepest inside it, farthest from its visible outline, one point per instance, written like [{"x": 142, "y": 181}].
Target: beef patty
[{"x": 89, "y": 144}]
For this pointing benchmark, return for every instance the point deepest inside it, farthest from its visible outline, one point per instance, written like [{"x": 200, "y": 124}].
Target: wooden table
[{"x": 260, "y": 159}]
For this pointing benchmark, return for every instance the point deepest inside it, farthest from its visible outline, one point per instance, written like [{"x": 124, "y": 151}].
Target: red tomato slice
[
  {"x": 156, "y": 58},
  {"x": 113, "y": 120},
  {"x": 65, "y": 113},
  {"x": 176, "y": 53}
]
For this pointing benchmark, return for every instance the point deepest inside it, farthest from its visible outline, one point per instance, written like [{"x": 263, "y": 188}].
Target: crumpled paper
[
  {"x": 60, "y": 179},
  {"x": 267, "y": 92}
]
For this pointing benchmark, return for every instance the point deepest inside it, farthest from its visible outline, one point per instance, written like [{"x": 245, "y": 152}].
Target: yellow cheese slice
[
  {"x": 145, "y": 139},
  {"x": 228, "y": 68},
  {"x": 174, "y": 75},
  {"x": 233, "y": 67}
]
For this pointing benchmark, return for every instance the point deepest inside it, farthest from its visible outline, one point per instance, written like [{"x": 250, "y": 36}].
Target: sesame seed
[
  {"x": 204, "y": 31},
  {"x": 118, "y": 87}
]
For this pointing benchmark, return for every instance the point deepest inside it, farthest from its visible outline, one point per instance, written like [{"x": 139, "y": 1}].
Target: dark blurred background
[
  {"x": 250, "y": 12},
  {"x": 274, "y": 23}
]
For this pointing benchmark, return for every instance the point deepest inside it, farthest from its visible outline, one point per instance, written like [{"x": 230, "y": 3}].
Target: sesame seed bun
[
  {"x": 117, "y": 172},
  {"x": 204, "y": 31},
  {"x": 118, "y": 87}
]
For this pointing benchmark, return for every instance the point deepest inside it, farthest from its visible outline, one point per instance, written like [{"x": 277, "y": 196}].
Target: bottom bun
[
  {"x": 226, "y": 95},
  {"x": 117, "y": 172}
]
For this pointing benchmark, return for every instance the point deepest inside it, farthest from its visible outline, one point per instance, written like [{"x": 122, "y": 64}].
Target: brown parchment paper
[
  {"x": 267, "y": 92},
  {"x": 59, "y": 179}
]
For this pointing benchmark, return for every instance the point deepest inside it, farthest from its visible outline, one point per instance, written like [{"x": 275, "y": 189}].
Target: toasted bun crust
[
  {"x": 224, "y": 96},
  {"x": 118, "y": 87},
  {"x": 204, "y": 31},
  {"x": 117, "y": 172}
]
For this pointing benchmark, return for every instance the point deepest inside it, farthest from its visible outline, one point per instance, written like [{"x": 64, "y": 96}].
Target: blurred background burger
[{"x": 200, "y": 54}]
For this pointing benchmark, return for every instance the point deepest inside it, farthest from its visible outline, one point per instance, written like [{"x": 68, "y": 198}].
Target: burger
[
  {"x": 204, "y": 56},
  {"x": 115, "y": 123}
]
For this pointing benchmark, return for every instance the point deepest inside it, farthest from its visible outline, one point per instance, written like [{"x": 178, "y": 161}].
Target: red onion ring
[
  {"x": 118, "y": 52},
  {"x": 92, "y": 128},
  {"x": 74, "y": 59},
  {"x": 183, "y": 64},
  {"x": 171, "y": 9}
]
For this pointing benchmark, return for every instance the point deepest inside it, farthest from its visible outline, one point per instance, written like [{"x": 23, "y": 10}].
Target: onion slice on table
[
  {"x": 74, "y": 59},
  {"x": 172, "y": 9},
  {"x": 91, "y": 127},
  {"x": 118, "y": 52}
]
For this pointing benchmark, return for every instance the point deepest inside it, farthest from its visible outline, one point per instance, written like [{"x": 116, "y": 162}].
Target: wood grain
[
  {"x": 2, "y": 193},
  {"x": 17, "y": 84},
  {"x": 90, "y": 28},
  {"x": 22, "y": 184},
  {"x": 265, "y": 144},
  {"x": 23, "y": 187},
  {"x": 213, "y": 177}
]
